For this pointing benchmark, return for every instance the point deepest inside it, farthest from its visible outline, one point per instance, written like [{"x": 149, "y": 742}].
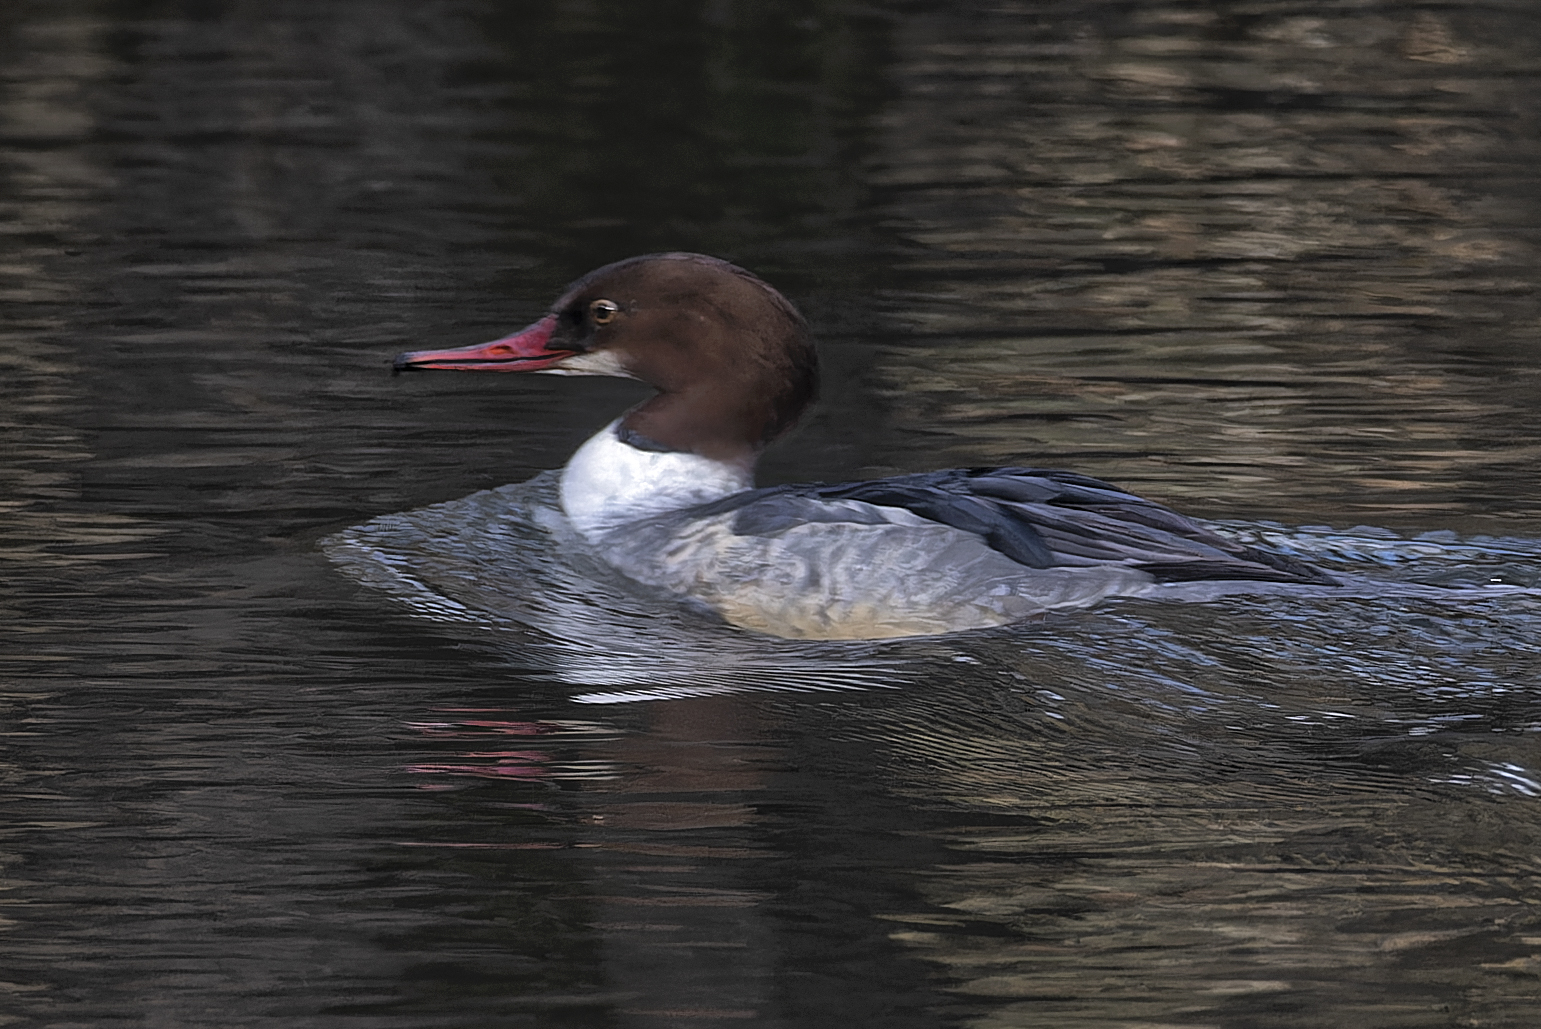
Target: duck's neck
[{"x": 610, "y": 482}]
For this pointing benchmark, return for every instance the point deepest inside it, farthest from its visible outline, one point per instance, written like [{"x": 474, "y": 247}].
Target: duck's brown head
[{"x": 731, "y": 358}]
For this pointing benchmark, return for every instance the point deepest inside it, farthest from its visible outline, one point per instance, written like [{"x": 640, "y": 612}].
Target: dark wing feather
[{"x": 1038, "y": 517}]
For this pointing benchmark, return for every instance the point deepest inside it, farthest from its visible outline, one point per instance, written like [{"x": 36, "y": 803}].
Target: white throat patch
[
  {"x": 608, "y": 483},
  {"x": 594, "y": 362}
]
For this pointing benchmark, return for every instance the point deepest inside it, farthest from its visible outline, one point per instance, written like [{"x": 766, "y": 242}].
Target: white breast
[{"x": 609, "y": 483}]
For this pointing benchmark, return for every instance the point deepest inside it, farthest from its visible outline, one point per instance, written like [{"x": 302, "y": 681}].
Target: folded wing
[{"x": 1038, "y": 518}]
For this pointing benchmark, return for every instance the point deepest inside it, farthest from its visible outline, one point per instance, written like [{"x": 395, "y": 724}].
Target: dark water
[{"x": 1273, "y": 262}]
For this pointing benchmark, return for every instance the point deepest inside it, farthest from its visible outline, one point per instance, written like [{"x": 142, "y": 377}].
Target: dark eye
[{"x": 603, "y": 312}]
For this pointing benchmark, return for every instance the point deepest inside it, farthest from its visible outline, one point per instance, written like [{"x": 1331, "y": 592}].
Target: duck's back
[{"x": 929, "y": 553}]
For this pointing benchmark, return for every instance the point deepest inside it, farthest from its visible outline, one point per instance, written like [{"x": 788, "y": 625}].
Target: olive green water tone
[{"x": 306, "y": 724}]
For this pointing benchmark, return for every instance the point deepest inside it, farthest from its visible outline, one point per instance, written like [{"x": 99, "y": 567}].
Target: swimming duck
[{"x": 665, "y": 493}]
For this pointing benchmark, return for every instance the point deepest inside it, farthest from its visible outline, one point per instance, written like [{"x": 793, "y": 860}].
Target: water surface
[{"x": 1272, "y": 263}]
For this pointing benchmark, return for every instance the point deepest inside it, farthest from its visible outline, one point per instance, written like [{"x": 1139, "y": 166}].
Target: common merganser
[{"x": 665, "y": 493}]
